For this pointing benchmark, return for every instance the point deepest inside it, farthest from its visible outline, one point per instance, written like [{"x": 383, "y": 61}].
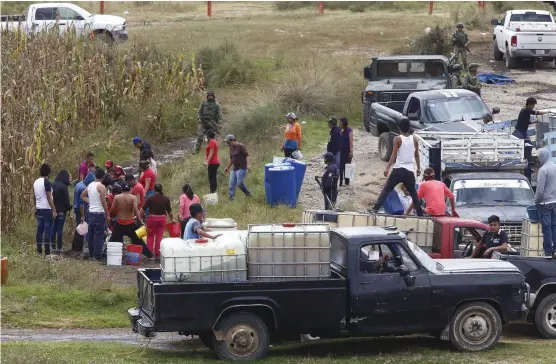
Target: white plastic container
[
  {"x": 114, "y": 253},
  {"x": 289, "y": 252},
  {"x": 226, "y": 224},
  {"x": 531, "y": 237},
  {"x": 205, "y": 260},
  {"x": 320, "y": 217}
]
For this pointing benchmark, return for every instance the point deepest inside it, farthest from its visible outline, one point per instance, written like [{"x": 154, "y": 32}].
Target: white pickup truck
[
  {"x": 65, "y": 16},
  {"x": 524, "y": 34}
]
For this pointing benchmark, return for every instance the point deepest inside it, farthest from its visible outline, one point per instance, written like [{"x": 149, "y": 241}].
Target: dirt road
[{"x": 540, "y": 83}]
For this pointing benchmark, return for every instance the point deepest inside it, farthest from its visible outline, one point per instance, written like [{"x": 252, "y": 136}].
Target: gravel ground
[{"x": 361, "y": 194}]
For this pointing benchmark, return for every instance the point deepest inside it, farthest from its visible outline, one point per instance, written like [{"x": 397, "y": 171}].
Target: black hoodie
[{"x": 60, "y": 193}]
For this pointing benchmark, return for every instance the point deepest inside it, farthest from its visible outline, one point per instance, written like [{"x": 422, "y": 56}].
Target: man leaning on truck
[
  {"x": 545, "y": 199},
  {"x": 434, "y": 193}
]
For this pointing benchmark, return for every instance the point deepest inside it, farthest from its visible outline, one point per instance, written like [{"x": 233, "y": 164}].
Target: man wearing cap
[
  {"x": 330, "y": 181},
  {"x": 239, "y": 164},
  {"x": 334, "y": 139},
  {"x": 114, "y": 170},
  {"x": 460, "y": 42},
  {"x": 471, "y": 81},
  {"x": 456, "y": 76},
  {"x": 124, "y": 206},
  {"x": 434, "y": 192},
  {"x": 210, "y": 116},
  {"x": 292, "y": 137},
  {"x": 145, "y": 149}
]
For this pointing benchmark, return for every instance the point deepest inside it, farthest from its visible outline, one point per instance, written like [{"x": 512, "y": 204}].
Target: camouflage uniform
[
  {"x": 459, "y": 41},
  {"x": 456, "y": 80},
  {"x": 210, "y": 116},
  {"x": 470, "y": 82}
]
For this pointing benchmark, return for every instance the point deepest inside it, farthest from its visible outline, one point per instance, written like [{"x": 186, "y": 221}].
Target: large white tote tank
[
  {"x": 289, "y": 252},
  {"x": 205, "y": 260},
  {"x": 220, "y": 225}
]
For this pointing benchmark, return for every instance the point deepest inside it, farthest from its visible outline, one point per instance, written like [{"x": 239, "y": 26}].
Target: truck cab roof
[
  {"x": 368, "y": 232},
  {"x": 488, "y": 175},
  {"x": 446, "y": 220},
  {"x": 411, "y": 58},
  {"x": 442, "y": 94}
]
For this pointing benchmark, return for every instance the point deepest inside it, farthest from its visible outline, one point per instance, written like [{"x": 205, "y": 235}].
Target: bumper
[
  {"x": 140, "y": 324},
  {"x": 534, "y": 53},
  {"x": 120, "y": 36}
]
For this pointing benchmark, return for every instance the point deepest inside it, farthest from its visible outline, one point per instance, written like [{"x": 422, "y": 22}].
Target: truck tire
[
  {"x": 246, "y": 337},
  {"x": 545, "y": 317},
  {"x": 511, "y": 62},
  {"x": 475, "y": 326},
  {"x": 498, "y": 56},
  {"x": 367, "y": 117},
  {"x": 385, "y": 146}
]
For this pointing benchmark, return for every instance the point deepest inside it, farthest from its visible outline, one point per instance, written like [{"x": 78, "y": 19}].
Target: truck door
[
  {"x": 385, "y": 301},
  {"x": 44, "y": 19},
  {"x": 70, "y": 19}
]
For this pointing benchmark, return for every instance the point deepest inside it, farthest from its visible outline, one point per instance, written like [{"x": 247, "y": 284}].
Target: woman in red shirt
[
  {"x": 147, "y": 180},
  {"x": 212, "y": 161}
]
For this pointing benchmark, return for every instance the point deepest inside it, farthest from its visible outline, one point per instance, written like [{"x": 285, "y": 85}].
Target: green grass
[{"x": 414, "y": 350}]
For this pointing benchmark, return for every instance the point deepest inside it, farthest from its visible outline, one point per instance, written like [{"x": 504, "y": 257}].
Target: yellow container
[{"x": 141, "y": 232}]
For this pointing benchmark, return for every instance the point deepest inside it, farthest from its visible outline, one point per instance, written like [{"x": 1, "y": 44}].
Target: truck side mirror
[
  {"x": 494, "y": 22},
  {"x": 496, "y": 110},
  {"x": 404, "y": 271},
  {"x": 79, "y": 17},
  {"x": 367, "y": 72}
]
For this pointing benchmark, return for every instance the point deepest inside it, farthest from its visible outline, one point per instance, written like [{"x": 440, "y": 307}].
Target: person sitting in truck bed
[
  {"x": 495, "y": 239},
  {"x": 193, "y": 228},
  {"x": 434, "y": 193}
]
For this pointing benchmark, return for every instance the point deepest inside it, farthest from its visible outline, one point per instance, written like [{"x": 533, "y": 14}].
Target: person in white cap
[{"x": 292, "y": 137}]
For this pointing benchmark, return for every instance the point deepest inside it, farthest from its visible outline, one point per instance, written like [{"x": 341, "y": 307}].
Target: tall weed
[
  {"x": 437, "y": 41},
  {"x": 224, "y": 65}
]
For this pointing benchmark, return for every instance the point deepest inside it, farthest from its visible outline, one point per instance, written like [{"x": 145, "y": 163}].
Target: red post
[
  {"x": 209, "y": 8},
  {"x": 431, "y": 6},
  {"x": 321, "y": 7},
  {"x": 102, "y": 7}
]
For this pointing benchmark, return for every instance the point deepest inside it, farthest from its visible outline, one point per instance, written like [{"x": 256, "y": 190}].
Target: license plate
[{"x": 539, "y": 52}]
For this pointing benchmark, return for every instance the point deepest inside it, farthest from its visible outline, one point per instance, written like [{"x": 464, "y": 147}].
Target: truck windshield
[
  {"x": 531, "y": 17},
  {"x": 411, "y": 69},
  {"x": 455, "y": 109},
  {"x": 423, "y": 257},
  {"x": 493, "y": 192}
]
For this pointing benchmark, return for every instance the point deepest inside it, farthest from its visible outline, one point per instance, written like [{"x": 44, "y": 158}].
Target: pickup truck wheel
[
  {"x": 246, "y": 337},
  {"x": 511, "y": 62},
  {"x": 367, "y": 117},
  {"x": 545, "y": 317},
  {"x": 385, "y": 146},
  {"x": 475, "y": 326},
  {"x": 498, "y": 56}
]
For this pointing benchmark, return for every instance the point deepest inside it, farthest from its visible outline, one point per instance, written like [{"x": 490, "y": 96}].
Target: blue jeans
[
  {"x": 237, "y": 178},
  {"x": 58, "y": 230},
  {"x": 522, "y": 135},
  {"x": 547, "y": 215},
  {"x": 44, "y": 226},
  {"x": 97, "y": 223}
]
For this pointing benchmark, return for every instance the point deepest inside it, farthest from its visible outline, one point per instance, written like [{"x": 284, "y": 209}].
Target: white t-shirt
[
  {"x": 153, "y": 165},
  {"x": 406, "y": 154},
  {"x": 95, "y": 204},
  {"x": 41, "y": 186}
]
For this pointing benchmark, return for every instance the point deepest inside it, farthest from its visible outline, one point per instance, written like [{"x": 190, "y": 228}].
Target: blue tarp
[{"x": 494, "y": 79}]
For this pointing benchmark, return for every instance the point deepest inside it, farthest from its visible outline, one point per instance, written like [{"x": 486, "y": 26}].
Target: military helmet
[
  {"x": 459, "y": 25},
  {"x": 473, "y": 66},
  {"x": 211, "y": 93},
  {"x": 457, "y": 67}
]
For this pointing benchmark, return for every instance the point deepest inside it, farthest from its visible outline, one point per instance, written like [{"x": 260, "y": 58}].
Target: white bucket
[
  {"x": 114, "y": 253},
  {"x": 350, "y": 170}
]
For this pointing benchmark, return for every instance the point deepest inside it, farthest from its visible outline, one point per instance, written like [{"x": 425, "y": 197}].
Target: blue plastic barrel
[
  {"x": 281, "y": 181},
  {"x": 393, "y": 205},
  {"x": 300, "y": 169},
  {"x": 266, "y": 184}
]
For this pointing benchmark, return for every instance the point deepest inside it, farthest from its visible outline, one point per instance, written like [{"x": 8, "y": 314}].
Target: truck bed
[{"x": 191, "y": 308}]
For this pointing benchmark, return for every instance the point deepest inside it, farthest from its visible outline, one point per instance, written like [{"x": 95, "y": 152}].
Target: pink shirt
[
  {"x": 434, "y": 193},
  {"x": 185, "y": 202},
  {"x": 84, "y": 169}
]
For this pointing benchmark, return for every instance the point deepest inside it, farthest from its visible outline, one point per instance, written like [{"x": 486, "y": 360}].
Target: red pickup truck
[{"x": 462, "y": 233}]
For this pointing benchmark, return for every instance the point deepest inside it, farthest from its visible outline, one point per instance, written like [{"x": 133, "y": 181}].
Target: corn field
[{"x": 57, "y": 88}]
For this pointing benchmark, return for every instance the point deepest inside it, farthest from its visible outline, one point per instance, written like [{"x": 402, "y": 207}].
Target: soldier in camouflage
[
  {"x": 210, "y": 117},
  {"x": 456, "y": 76},
  {"x": 460, "y": 42},
  {"x": 471, "y": 81}
]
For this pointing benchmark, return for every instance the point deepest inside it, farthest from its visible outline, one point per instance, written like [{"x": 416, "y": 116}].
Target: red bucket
[
  {"x": 174, "y": 229},
  {"x": 133, "y": 255}
]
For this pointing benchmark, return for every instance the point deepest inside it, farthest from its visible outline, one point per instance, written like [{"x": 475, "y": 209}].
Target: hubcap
[
  {"x": 475, "y": 328},
  {"x": 551, "y": 318},
  {"x": 242, "y": 340}
]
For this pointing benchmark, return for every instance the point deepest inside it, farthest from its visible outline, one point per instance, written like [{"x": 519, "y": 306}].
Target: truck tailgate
[
  {"x": 540, "y": 41},
  {"x": 195, "y": 307}
]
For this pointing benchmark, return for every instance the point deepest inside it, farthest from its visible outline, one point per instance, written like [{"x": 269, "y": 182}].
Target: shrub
[
  {"x": 293, "y": 5},
  {"x": 470, "y": 14},
  {"x": 437, "y": 41},
  {"x": 225, "y": 65}
]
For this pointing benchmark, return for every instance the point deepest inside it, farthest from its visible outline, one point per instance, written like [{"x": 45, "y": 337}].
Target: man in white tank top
[
  {"x": 95, "y": 196},
  {"x": 405, "y": 155}
]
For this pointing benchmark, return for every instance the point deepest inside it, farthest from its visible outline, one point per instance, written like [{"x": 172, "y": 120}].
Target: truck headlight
[
  {"x": 119, "y": 27},
  {"x": 385, "y": 97}
]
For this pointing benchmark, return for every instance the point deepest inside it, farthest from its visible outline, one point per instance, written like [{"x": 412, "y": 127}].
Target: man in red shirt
[
  {"x": 136, "y": 189},
  {"x": 115, "y": 171},
  {"x": 434, "y": 193}
]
